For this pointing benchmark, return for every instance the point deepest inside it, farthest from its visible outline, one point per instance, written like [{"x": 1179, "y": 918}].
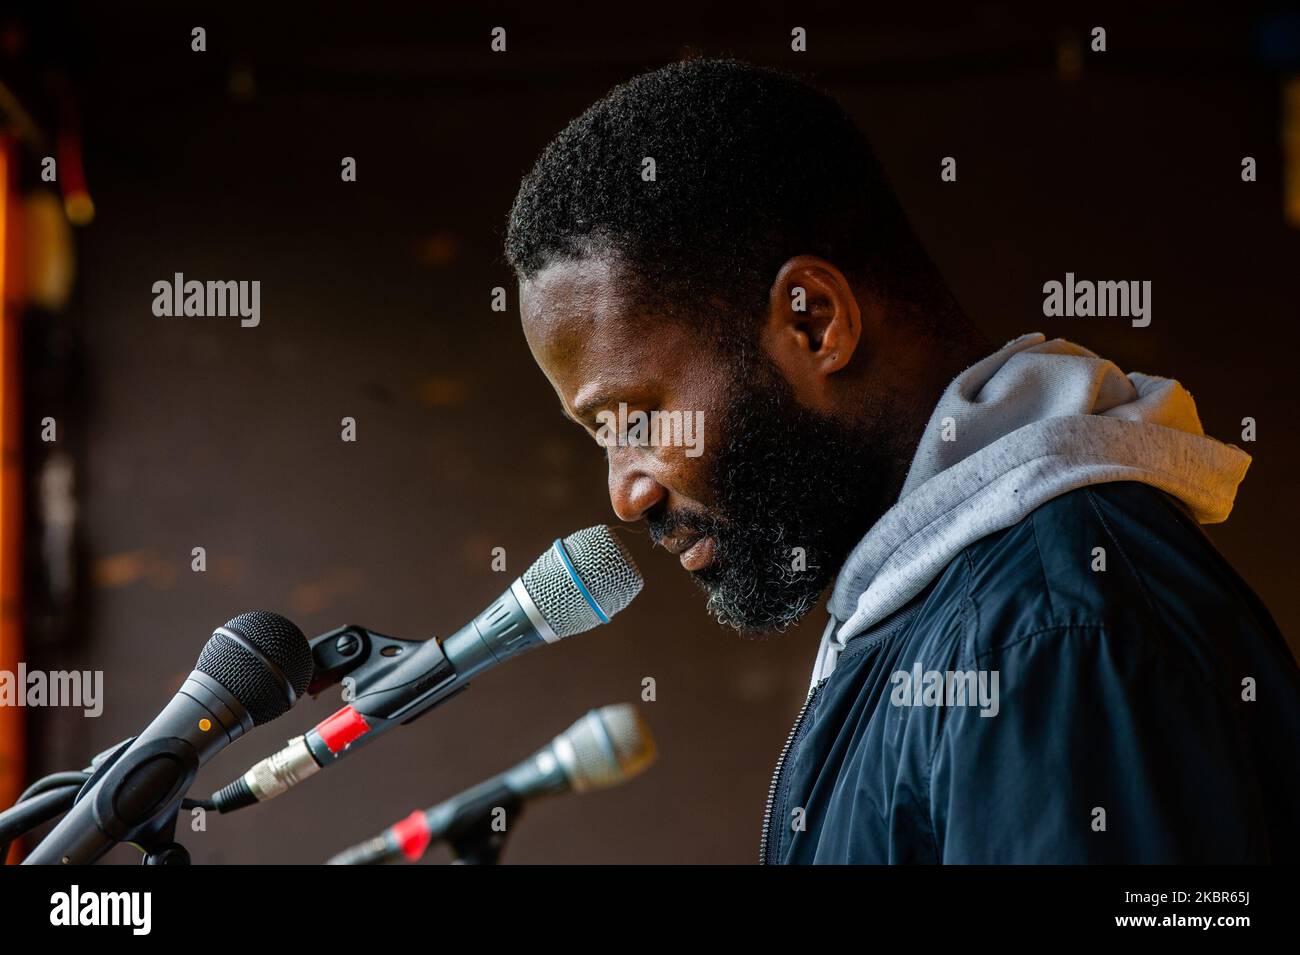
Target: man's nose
[{"x": 633, "y": 489}]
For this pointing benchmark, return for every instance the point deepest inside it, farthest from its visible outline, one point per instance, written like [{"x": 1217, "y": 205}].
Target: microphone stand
[
  {"x": 473, "y": 841},
  {"x": 54, "y": 795},
  {"x": 480, "y": 845},
  {"x": 158, "y": 842},
  {"x": 164, "y": 850}
]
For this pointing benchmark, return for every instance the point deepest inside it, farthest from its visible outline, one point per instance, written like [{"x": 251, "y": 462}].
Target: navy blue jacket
[{"x": 1147, "y": 713}]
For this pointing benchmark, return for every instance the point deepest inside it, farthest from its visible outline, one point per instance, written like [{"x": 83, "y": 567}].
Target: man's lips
[
  {"x": 695, "y": 551},
  {"x": 699, "y": 555}
]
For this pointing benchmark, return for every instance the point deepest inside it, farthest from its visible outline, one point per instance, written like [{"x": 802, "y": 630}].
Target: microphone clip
[
  {"x": 354, "y": 652},
  {"x": 154, "y": 833}
]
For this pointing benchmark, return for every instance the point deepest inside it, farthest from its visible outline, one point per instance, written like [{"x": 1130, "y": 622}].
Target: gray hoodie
[{"x": 1030, "y": 422}]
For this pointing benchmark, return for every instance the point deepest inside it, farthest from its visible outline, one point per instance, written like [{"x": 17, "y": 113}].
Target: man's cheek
[
  {"x": 693, "y": 433},
  {"x": 689, "y": 479}
]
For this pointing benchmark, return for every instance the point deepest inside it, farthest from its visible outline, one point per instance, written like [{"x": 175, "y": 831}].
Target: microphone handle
[
  {"x": 465, "y": 816},
  {"x": 431, "y": 674},
  {"x": 135, "y": 795},
  {"x": 401, "y": 691},
  {"x": 413, "y": 835},
  {"x": 376, "y": 851}
]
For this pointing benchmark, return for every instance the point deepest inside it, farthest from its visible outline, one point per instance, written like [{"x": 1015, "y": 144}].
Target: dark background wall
[{"x": 375, "y": 304}]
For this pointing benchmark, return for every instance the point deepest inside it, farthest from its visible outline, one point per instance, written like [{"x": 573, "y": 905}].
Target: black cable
[
  {"x": 31, "y": 812},
  {"x": 53, "y": 781}
]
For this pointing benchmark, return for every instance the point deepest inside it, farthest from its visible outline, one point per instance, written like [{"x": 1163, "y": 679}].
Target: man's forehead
[
  {"x": 571, "y": 288},
  {"x": 580, "y": 309},
  {"x": 597, "y": 343}
]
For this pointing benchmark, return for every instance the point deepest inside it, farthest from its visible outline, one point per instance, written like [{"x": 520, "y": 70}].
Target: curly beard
[{"x": 793, "y": 492}]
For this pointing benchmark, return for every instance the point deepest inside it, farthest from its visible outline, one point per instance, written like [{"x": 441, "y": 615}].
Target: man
[{"x": 1033, "y": 653}]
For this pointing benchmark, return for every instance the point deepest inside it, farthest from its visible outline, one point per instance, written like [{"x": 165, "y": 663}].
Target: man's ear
[{"x": 814, "y": 327}]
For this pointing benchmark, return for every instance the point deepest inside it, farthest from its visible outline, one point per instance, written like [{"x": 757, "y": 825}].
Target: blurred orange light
[{"x": 80, "y": 208}]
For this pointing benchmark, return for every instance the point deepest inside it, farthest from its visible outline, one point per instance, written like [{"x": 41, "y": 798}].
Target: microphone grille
[
  {"x": 609, "y": 746},
  {"x": 588, "y": 567},
  {"x": 267, "y": 668}
]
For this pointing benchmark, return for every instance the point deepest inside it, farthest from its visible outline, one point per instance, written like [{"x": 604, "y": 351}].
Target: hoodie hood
[{"x": 1032, "y": 421}]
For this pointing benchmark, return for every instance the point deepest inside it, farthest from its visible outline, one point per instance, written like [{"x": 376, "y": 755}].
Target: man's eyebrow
[{"x": 588, "y": 408}]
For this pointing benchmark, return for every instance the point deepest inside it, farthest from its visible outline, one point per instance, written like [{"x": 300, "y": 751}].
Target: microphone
[
  {"x": 606, "y": 747},
  {"x": 250, "y": 671},
  {"x": 579, "y": 583}
]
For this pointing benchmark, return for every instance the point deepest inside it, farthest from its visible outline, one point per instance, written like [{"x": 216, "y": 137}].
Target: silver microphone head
[
  {"x": 582, "y": 581},
  {"x": 606, "y": 747}
]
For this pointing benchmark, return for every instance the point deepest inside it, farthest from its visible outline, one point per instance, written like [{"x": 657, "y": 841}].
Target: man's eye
[{"x": 605, "y": 432}]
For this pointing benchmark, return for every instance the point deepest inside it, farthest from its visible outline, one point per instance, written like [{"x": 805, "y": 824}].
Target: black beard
[{"x": 786, "y": 478}]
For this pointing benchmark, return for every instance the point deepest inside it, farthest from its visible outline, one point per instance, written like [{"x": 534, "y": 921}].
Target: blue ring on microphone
[{"x": 582, "y": 589}]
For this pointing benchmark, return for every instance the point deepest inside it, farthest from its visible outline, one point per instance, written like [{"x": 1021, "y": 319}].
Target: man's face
[{"x": 763, "y": 510}]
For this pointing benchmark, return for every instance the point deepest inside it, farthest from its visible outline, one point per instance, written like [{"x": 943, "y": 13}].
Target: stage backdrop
[{"x": 375, "y": 305}]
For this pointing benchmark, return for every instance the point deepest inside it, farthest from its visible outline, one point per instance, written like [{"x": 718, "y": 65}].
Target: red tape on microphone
[
  {"x": 412, "y": 835},
  {"x": 340, "y": 729}
]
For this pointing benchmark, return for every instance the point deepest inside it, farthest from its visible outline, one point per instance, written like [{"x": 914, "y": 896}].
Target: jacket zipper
[
  {"x": 890, "y": 625},
  {"x": 776, "y": 774}
]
